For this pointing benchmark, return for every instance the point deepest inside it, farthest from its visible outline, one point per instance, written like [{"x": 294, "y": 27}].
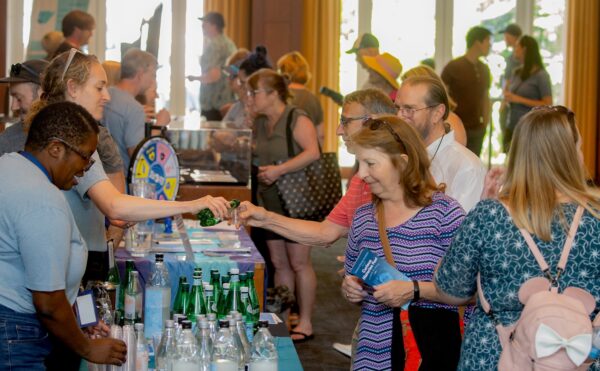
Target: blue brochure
[{"x": 374, "y": 270}]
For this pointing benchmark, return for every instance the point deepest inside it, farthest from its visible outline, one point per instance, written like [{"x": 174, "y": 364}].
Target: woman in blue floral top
[{"x": 545, "y": 184}]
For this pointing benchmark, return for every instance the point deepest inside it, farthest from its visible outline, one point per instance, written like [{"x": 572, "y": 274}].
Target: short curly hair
[{"x": 63, "y": 120}]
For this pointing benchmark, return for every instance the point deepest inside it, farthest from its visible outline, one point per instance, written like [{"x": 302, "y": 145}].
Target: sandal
[{"x": 304, "y": 337}]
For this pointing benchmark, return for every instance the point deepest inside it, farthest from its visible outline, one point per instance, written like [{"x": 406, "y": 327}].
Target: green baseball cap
[{"x": 364, "y": 41}]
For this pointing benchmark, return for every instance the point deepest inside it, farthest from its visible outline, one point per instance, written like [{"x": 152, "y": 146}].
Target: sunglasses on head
[
  {"x": 69, "y": 61},
  {"x": 376, "y": 124}
]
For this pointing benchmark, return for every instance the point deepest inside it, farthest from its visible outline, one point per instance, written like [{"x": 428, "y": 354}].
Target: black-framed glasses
[
  {"x": 376, "y": 124},
  {"x": 410, "y": 111},
  {"x": 72, "y": 53},
  {"x": 344, "y": 120},
  {"x": 88, "y": 158},
  {"x": 15, "y": 69}
]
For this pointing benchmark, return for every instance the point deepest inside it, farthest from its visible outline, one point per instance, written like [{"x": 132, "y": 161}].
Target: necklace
[{"x": 446, "y": 130}]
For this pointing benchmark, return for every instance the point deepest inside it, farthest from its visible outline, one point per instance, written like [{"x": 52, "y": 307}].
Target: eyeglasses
[
  {"x": 88, "y": 158},
  {"x": 15, "y": 69},
  {"x": 69, "y": 61},
  {"x": 347, "y": 120},
  {"x": 376, "y": 124},
  {"x": 409, "y": 111},
  {"x": 252, "y": 93}
]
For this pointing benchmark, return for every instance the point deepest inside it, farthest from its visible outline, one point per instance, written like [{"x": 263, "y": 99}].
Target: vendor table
[{"x": 223, "y": 262}]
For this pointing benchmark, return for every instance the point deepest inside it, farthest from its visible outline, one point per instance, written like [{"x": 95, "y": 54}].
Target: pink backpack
[{"x": 554, "y": 331}]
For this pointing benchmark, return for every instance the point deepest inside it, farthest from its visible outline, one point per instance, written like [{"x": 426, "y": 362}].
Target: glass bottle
[
  {"x": 187, "y": 357},
  {"x": 113, "y": 278},
  {"x": 177, "y": 305},
  {"x": 205, "y": 344},
  {"x": 215, "y": 281},
  {"x": 130, "y": 341},
  {"x": 133, "y": 299},
  {"x": 166, "y": 348},
  {"x": 226, "y": 356},
  {"x": 207, "y": 218},
  {"x": 158, "y": 299},
  {"x": 234, "y": 297},
  {"x": 253, "y": 296},
  {"x": 129, "y": 267},
  {"x": 246, "y": 307},
  {"x": 222, "y": 307},
  {"x": 263, "y": 356},
  {"x": 197, "y": 304},
  {"x": 212, "y": 325},
  {"x": 211, "y": 305},
  {"x": 141, "y": 349}
]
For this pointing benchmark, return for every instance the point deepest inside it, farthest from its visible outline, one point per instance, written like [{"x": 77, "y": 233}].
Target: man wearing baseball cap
[
  {"x": 214, "y": 90},
  {"x": 24, "y": 89},
  {"x": 366, "y": 45}
]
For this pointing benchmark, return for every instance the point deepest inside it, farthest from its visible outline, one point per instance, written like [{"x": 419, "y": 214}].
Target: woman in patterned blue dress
[
  {"x": 545, "y": 184},
  {"x": 419, "y": 222}
]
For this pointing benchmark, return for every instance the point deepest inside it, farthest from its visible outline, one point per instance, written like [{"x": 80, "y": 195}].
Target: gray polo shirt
[{"x": 13, "y": 139}]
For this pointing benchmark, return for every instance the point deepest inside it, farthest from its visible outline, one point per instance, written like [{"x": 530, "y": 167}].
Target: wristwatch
[{"x": 416, "y": 292}]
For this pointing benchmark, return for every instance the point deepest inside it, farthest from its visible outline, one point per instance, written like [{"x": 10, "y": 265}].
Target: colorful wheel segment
[{"x": 155, "y": 160}]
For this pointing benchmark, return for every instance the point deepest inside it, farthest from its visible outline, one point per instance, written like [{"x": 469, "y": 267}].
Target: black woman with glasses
[
  {"x": 545, "y": 190},
  {"x": 410, "y": 223},
  {"x": 24, "y": 89},
  {"x": 42, "y": 253}
]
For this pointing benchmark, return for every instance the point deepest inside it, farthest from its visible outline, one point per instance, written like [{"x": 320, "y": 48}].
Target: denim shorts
[{"x": 24, "y": 342}]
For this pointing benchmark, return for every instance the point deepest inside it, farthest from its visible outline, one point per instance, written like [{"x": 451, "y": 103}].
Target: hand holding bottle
[
  {"x": 218, "y": 206},
  {"x": 107, "y": 351}
]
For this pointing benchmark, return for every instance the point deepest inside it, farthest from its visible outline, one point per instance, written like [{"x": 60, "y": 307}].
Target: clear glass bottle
[
  {"x": 241, "y": 331},
  {"x": 212, "y": 325},
  {"x": 166, "y": 348},
  {"x": 263, "y": 356},
  {"x": 237, "y": 339},
  {"x": 158, "y": 299},
  {"x": 141, "y": 349},
  {"x": 226, "y": 355},
  {"x": 133, "y": 299},
  {"x": 205, "y": 344},
  {"x": 187, "y": 357},
  {"x": 130, "y": 340}
]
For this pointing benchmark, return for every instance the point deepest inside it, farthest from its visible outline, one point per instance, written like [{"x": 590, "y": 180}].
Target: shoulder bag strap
[
  {"x": 385, "y": 242},
  {"x": 288, "y": 133}
]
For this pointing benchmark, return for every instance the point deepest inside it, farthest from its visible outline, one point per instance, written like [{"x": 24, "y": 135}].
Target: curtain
[
  {"x": 581, "y": 74},
  {"x": 237, "y": 14},
  {"x": 321, "y": 48}
]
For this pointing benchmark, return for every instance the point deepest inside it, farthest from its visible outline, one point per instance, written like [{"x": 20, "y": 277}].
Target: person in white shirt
[{"x": 423, "y": 103}]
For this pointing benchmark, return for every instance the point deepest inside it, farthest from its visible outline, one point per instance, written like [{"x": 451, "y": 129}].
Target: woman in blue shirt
[{"x": 42, "y": 253}]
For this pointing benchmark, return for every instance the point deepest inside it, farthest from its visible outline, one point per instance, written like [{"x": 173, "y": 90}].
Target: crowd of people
[{"x": 419, "y": 198}]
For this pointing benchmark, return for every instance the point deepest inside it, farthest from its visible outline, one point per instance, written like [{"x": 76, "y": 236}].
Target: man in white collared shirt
[{"x": 423, "y": 103}]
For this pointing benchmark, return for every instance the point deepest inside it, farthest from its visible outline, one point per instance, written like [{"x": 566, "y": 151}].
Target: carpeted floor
[{"x": 334, "y": 319}]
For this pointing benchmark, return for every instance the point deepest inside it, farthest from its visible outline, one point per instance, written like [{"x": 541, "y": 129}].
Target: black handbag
[{"x": 312, "y": 192}]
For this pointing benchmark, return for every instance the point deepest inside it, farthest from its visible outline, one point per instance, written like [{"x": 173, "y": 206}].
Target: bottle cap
[
  {"x": 233, "y": 313},
  {"x": 186, "y": 324},
  {"x": 208, "y": 287},
  {"x": 226, "y": 285},
  {"x": 200, "y": 317},
  {"x": 159, "y": 258},
  {"x": 234, "y": 271},
  {"x": 237, "y": 316},
  {"x": 223, "y": 324},
  {"x": 180, "y": 318},
  {"x": 232, "y": 322},
  {"x": 169, "y": 323},
  {"x": 139, "y": 327},
  {"x": 244, "y": 289},
  {"x": 264, "y": 324},
  {"x": 203, "y": 323},
  {"x": 211, "y": 316}
]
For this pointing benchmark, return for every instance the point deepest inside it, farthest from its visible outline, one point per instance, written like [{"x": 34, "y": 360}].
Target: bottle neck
[{"x": 111, "y": 255}]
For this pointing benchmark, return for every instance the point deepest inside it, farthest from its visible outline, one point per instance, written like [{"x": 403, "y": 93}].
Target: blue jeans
[{"x": 24, "y": 342}]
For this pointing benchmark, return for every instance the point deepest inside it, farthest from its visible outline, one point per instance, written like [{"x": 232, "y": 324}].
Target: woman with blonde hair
[
  {"x": 294, "y": 67},
  {"x": 545, "y": 185},
  {"x": 410, "y": 223},
  {"x": 460, "y": 135}
]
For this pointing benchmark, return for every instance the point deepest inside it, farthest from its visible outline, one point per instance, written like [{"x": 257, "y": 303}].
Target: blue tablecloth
[
  {"x": 288, "y": 357},
  {"x": 179, "y": 268}
]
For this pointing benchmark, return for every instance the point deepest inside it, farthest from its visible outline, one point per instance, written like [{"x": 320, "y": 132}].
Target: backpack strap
[{"x": 538, "y": 257}]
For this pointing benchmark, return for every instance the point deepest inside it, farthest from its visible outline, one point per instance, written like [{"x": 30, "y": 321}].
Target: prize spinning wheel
[{"x": 155, "y": 160}]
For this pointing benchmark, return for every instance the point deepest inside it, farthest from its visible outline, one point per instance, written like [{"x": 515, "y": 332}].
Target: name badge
[{"x": 85, "y": 309}]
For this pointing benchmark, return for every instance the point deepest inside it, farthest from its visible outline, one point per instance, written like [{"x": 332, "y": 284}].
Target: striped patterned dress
[{"x": 417, "y": 246}]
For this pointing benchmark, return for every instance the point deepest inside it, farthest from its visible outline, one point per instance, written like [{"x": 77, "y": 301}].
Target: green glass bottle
[
  {"x": 234, "y": 302},
  {"x": 207, "y": 218},
  {"x": 177, "y": 305},
  {"x": 246, "y": 307},
  {"x": 133, "y": 299},
  {"x": 253, "y": 296},
  {"x": 222, "y": 306},
  {"x": 243, "y": 278},
  {"x": 185, "y": 298},
  {"x": 197, "y": 303},
  {"x": 215, "y": 281},
  {"x": 113, "y": 278},
  {"x": 211, "y": 305}
]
